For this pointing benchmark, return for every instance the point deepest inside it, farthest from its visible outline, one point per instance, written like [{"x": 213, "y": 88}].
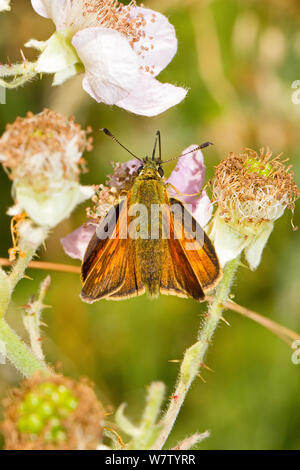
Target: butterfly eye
[
  {"x": 139, "y": 169},
  {"x": 160, "y": 171}
]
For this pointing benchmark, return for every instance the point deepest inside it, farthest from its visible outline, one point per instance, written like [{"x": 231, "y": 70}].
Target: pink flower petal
[
  {"x": 159, "y": 45},
  {"x": 150, "y": 97},
  {"x": 188, "y": 175},
  {"x": 111, "y": 66},
  {"x": 57, "y": 10},
  {"x": 76, "y": 242},
  {"x": 188, "y": 178}
]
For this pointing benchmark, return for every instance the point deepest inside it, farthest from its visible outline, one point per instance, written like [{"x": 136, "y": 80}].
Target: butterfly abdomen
[{"x": 149, "y": 247}]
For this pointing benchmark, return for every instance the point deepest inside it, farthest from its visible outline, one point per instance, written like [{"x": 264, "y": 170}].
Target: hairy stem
[
  {"x": 18, "y": 74},
  {"x": 18, "y": 353},
  {"x": 20, "y": 266},
  {"x": 194, "y": 356},
  {"x": 11, "y": 345}
]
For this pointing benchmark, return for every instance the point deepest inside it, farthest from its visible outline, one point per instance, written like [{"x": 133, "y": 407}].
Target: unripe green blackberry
[
  {"x": 253, "y": 165},
  {"x": 52, "y": 413},
  {"x": 45, "y": 407}
]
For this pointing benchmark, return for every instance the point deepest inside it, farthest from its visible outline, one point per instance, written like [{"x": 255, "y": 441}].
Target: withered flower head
[
  {"x": 42, "y": 155},
  {"x": 254, "y": 188},
  {"x": 108, "y": 195},
  {"x": 44, "y": 147},
  {"x": 53, "y": 413},
  {"x": 251, "y": 191}
]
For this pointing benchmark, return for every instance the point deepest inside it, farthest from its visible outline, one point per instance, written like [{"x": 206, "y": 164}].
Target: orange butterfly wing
[
  {"x": 197, "y": 247},
  {"x": 132, "y": 285},
  {"x": 104, "y": 263},
  {"x": 108, "y": 268}
]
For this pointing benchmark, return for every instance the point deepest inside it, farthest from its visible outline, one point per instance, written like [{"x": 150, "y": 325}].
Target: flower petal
[
  {"x": 49, "y": 210},
  {"x": 58, "y": 55},
  {"x": 159, "y": 46},
  {"x": 41, "y": 7},
  {"x": 150, "y": 97},
  {"x": 228, "y": 243},
  {"x": 111, "y": 66},
  {"x": 39, "y": 45},
  {"x": 30, "y": 235},
  {"x": 202, "y": 209},
  {"x": 57, "y": 10},
  {"x": 75, "y": 243},
  {"x": 253, "y": 252},
  {"x": 64, "y": 75},
  {"x": 188, "y": 175},
  {"x": 4, "y": 5}
]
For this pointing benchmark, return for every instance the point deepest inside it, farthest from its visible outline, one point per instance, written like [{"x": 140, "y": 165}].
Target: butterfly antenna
[
  {"x": 107, "y": 132},
  {"x": 157, "y": 140},
  {"x": 202, "y": 146}
]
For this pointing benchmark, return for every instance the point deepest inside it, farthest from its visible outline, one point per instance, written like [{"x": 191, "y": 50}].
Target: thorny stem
[
  {"x": 15, "y": 350},
  {"x": 32, "y": 319},
  {"x": 20, "y": 266},
  {"x": 147, "y": 436},
  {"x": 18, "y": 353},
  {"x": 194, "y": 356},
  {"x": 191, "y": 441},
  {"x": 21, "y": 73}
]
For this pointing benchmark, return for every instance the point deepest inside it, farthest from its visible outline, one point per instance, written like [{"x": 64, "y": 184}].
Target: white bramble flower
[
  {"x": 251, "y": 192},
  {"x": 42, "y": 155},
  {"x": 4, "y": 5},
  {"x": 120, "y": 48}
]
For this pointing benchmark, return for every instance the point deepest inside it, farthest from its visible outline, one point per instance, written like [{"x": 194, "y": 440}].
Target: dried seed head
[
  {"x": 52, "y": 413},
  {"x": 44, "y": 149},
  {"x": 253, "y": 188},
  {"x": 108, "y": 195}
]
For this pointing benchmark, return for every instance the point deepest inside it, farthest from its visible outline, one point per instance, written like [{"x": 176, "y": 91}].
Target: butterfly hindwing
[
  {"x": 197, "y": 247},
  {"x": 178, "y": 277},
  {"x": 132, "y": 285}
]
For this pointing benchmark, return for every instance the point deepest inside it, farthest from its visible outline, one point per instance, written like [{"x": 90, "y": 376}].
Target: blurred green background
[{"x": 239, "y": 60}]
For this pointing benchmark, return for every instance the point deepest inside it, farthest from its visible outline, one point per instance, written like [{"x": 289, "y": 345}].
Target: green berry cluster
[
  {"x": 45, "y": 407},
  {"x": 253, "y": 165}
]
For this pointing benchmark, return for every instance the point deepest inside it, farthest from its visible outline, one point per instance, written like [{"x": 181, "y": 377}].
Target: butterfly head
[{"x": 150, "y": 169}]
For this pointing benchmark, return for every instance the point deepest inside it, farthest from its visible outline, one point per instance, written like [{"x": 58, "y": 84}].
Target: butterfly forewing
[{"x": 104, "y": 264}]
